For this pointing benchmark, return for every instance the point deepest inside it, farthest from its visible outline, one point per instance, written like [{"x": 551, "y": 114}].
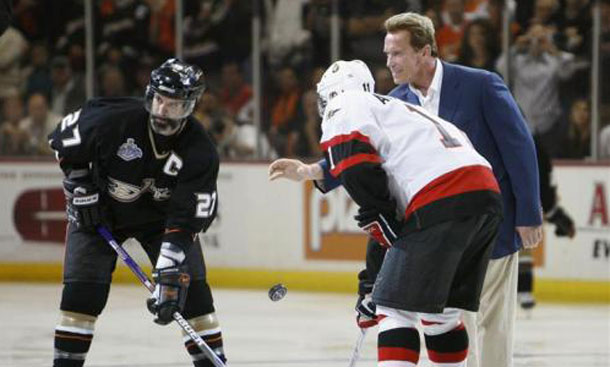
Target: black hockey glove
[
  {"x": 365, "y": 308},
  {"x": 564, "y": 225},
  {"x": 82, "y": 203},
  {"x": 172, "y": 282},
  {"x": 382, "y": 227}
]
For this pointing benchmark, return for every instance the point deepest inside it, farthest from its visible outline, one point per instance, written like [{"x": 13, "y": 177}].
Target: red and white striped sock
[
  {"x": 448, "y": 349},
  {"x": 397, "y": 344}
]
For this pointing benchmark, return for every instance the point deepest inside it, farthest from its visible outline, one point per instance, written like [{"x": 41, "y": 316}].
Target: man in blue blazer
[{"x": 479, "y": 103}]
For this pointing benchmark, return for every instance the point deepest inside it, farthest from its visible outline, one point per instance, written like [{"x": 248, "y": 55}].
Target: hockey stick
[
  {"x": 356, "y": 352},
  {"x": 135, "y": 268}
]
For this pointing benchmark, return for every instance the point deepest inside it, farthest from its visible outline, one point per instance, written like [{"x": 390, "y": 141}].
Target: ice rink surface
[{"x": 303, "y": 329}]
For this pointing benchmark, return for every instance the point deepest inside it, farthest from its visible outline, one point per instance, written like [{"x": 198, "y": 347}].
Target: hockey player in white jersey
[{"x": 424, "y": 193}]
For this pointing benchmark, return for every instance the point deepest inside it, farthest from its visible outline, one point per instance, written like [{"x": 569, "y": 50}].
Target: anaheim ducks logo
[{"x": 125, "y": 192}]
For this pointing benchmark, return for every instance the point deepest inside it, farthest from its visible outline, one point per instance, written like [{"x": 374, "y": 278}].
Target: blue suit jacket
[{"x": 479, "y": 103}]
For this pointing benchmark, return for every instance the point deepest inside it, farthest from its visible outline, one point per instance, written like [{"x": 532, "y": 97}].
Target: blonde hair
[{"x": 420, "y": 28}]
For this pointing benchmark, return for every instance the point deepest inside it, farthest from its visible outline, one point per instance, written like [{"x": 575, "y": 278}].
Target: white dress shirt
[{"x": 432, "y": 100}]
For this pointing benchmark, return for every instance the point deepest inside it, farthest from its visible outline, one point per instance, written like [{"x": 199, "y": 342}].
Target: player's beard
[
  {"x": 164, "y": 142},
  {"x": 165, "y": 126}
]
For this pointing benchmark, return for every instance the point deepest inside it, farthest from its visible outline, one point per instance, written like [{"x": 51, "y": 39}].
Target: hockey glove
[
  {"x": 564, "y": 225},
  {"x": 172, "y": 282},
  {"x": 82, "y": 203},
  {"x": 381, "y": 227},
  {"x": 365, "y": 309}
]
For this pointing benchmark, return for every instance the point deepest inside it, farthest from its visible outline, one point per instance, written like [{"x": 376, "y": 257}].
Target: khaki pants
[{"x": 491, "y": 330}]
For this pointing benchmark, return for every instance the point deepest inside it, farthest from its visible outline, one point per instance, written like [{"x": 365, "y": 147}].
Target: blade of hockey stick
[
  {"x": 356, "y": 352},
  {"x": 135, "y": 268}
]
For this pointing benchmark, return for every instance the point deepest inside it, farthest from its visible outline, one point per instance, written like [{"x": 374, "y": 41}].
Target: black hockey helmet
[{"x": 171, "y": 95}]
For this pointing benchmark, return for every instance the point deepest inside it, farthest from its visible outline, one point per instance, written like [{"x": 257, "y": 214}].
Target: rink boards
[{"x": 269, "y": 232}]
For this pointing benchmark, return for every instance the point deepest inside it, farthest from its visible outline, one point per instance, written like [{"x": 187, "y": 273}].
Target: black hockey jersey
[{"x": 142, "y": 186}]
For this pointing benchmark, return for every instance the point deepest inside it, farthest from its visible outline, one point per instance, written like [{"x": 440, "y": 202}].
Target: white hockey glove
[{"x": 172, "y": 282}]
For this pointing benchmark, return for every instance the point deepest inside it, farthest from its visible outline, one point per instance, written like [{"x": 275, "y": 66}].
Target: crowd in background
[{"x": 42, "y": 63}]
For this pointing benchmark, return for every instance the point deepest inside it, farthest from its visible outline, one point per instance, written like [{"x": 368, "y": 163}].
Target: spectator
[
  {"x": 235, "y": 92},
  {"x": 577, "y": 141},
  {"x": 29, "y": 18},
  {"x": 238, "y": 16},
  {"x": 201, "y": 33},
  {"x": 123, "y": 25},
  {"x": 161, "y": 27},
  {"x": 13, "y": 139},
  {"x": 141, "y": 74},
  {"x": 364, "y": 27},
  {"x": 68, "y": 92},
  {"x": 537, "y": 67},
  {"x": 449, "y": 36},
  {"x": 112, "y": 82},
  {"x": 39, "y": 123},
  {"x": 314, "y": 77},
  {"x": 479, "y": 45},
  {"x": 211, "y": 115},
  {"x": 284, "y": 113},
  {"x": 546, "y": 13},
  {"x": 288, "y": 42},
  {"x": 66, "y": 24},
  {"x": 318, "y": 23},
  {"x": 247, "y": 136},
  {"x": 574, "y": 24},
  {"x": 383, "y": 80},
  {"x": 37, "y": 74},
  {"x": 13, "y": 47},
  {"x": 310, "y": 132}
]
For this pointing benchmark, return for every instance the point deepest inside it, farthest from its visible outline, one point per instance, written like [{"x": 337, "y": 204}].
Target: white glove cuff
[{"x": 170, "y": 255}]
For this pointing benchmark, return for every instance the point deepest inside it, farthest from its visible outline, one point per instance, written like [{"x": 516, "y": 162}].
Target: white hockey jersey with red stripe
[{"x": 424, "y": 157}]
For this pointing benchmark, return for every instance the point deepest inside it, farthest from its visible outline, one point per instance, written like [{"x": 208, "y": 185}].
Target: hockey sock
[
  {"x": 208, "y": 328},
  {"x": 447, "y": 349},
  {"x": 397, "y": 345},
  {"x": 73, "y": 335}
]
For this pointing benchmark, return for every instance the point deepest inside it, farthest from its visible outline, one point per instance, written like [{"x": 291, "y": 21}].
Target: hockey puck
[{"x": 277, "y": 292}]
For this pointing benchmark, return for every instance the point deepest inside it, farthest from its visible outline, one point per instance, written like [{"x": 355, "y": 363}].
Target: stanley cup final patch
[{"x": 129, "y": 151}]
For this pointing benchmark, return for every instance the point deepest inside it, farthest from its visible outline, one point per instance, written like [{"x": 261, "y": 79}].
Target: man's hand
[
  {"x": 294, "y": 170},
  {"x": 172, "y": 282},
  {"x": 381, "y": 227},
  {"x": 365, "y": 307},
  {"x": 530, "y": 236}
]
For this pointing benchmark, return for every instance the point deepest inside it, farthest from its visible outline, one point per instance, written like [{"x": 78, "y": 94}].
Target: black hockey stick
[{"x": 135, "y": 268}]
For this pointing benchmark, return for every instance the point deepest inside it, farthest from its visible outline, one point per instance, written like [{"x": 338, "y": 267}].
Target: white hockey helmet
[{"x": 342, "y": 76}]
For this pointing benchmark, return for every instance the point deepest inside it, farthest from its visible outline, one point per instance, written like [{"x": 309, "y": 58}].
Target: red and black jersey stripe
[
  {"x": 466, "y": 191},
  {"x": 348, "y": 150},
  {"x": 459, "y": 181}
]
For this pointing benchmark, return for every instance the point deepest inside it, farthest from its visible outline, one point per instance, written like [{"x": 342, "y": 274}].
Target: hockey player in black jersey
[{"x": 147, "y": 170}]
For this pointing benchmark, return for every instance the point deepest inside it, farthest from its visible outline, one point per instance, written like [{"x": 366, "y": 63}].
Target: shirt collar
[{"x": 435, "y": 85}]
